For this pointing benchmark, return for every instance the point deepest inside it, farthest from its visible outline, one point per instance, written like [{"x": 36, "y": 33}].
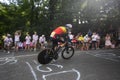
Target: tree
[{"x": 44, "y": 15}]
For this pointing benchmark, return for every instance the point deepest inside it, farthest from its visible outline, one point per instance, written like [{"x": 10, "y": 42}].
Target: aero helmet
[{"x": 69, "y": 25}]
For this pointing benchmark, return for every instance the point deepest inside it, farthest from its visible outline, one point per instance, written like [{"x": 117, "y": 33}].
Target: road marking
[
  {"x": 35, "y": 61},
  {"x": 108, "y": 56},
  {"x": 32, "y": 71},
  {"x": 56, "y": 73},
  {"x": 10, "y": 60},
  {"x": 20, "y": 56},
  {"x": 59, "y": 66},
  {"x": 27, "y": 55},
  {"x": 48, "y": 69}
]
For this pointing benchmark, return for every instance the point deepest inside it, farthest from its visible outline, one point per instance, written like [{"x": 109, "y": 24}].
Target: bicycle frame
[
  {"x": 58, "y": 50},
  {"x": 48, "y": 54}
]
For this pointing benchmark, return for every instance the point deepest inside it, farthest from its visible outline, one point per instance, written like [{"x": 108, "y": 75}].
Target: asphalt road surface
[{"x": 84, "y": 65}]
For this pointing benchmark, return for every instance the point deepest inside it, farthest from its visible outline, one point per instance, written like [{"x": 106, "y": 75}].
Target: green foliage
[{"x": 44, "y": 15}]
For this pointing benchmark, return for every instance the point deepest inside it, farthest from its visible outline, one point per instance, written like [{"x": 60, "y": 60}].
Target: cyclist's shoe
[{"x": 56, "y": 57}]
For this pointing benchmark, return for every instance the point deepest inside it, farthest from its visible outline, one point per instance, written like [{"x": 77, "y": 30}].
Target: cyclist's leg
[
  {"x": 54, "y": 44},
  {"x": 55, "y": 47}
]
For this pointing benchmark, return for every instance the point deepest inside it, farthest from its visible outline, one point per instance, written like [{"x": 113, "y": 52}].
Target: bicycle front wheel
[
  {"x": 45, "y": 56},
  {"x": 67, "y": 53}
]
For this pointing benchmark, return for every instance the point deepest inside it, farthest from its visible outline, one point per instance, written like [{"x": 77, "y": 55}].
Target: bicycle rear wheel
[
  {"x": 45, "y": 56},
  {"x": 67, "y": 53}
]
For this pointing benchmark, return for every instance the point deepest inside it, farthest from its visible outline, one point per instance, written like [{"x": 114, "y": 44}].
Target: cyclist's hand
[{"x": 62, "y": 45}]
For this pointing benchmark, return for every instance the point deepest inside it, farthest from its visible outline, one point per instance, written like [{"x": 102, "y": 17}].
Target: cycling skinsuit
[{"x": 58, "y": 31}]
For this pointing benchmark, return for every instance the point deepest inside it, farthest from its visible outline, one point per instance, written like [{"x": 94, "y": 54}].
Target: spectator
[
  {"x": 98, "y": 41},
  {"x": 4, "y": 42},
  {"x": 108, "y": 43},
  {"x": 8, "y": 42},
  {"x": 81, "y": 41},
  {"x": 74, "y": 41},
  {"x": 70, "y": 35},
  {"x": 94, "y": 40},
  {"x": 42, "y": 41},
  {"x": 118, "y": 39},
  {"x": 86, "y": 42},
  {"x": 28, "y": 41},
  {"x": 34, "y": 40},
  {"x": 21, "y": 46},
  {"x": 113, "y": 44},
  {"x": 17, "y": 40},
  {"x": 77, "y": 41},
  {"x": 89, "y": 33}
]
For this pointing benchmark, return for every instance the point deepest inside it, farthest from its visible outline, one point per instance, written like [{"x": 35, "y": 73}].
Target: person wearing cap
[{"x": 57, "y": 33}]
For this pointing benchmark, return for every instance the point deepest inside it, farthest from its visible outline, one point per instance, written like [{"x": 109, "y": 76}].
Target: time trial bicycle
[{"x": 48, "y": 54}]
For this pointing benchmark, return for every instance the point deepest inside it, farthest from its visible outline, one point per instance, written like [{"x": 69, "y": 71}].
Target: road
[{"x": 84, "y": 65}]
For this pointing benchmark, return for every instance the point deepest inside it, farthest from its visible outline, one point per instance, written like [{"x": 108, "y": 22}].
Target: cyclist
[
  {"x": 56, "y": 36},
  {"x": 57, "y": 33}
]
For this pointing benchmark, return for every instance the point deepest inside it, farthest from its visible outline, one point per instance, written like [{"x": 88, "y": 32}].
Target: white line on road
[
  {"x": 27, "y": 55},
  {"x": 107, "y": 56},
  {"x": 32, "y": 71},
  {"x": 20, "y": 56}
]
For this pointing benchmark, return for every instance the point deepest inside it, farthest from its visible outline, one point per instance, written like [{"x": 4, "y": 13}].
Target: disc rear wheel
[{"x": 45, "y": 56}]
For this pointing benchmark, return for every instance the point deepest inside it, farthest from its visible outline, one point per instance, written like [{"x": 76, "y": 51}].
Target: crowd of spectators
[
  {"x": 93, "y": 41},
  {"x": 29, "y": 43},
  {"x": 89, "y": 41}
]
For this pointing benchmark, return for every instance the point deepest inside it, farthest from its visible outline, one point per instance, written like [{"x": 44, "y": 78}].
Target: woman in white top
[
  {"x": 34, "y": 40},
  {"x": 28, "y": 41},
  {"x": 94, "y": 40},
  {"x": 17, "y": 40},
  {"x": 86, "y": 42},
  {"x": 108, "y": 42},
  {"x": 98, "y": 41}
]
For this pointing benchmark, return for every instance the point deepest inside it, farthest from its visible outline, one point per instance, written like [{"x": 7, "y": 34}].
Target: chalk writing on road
[
  {"x": 48, "y": 68},
  {"x": 8, "y": 60},
  {"x": 63, "y": 72},
  {"x": 48, "y": 71}
]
